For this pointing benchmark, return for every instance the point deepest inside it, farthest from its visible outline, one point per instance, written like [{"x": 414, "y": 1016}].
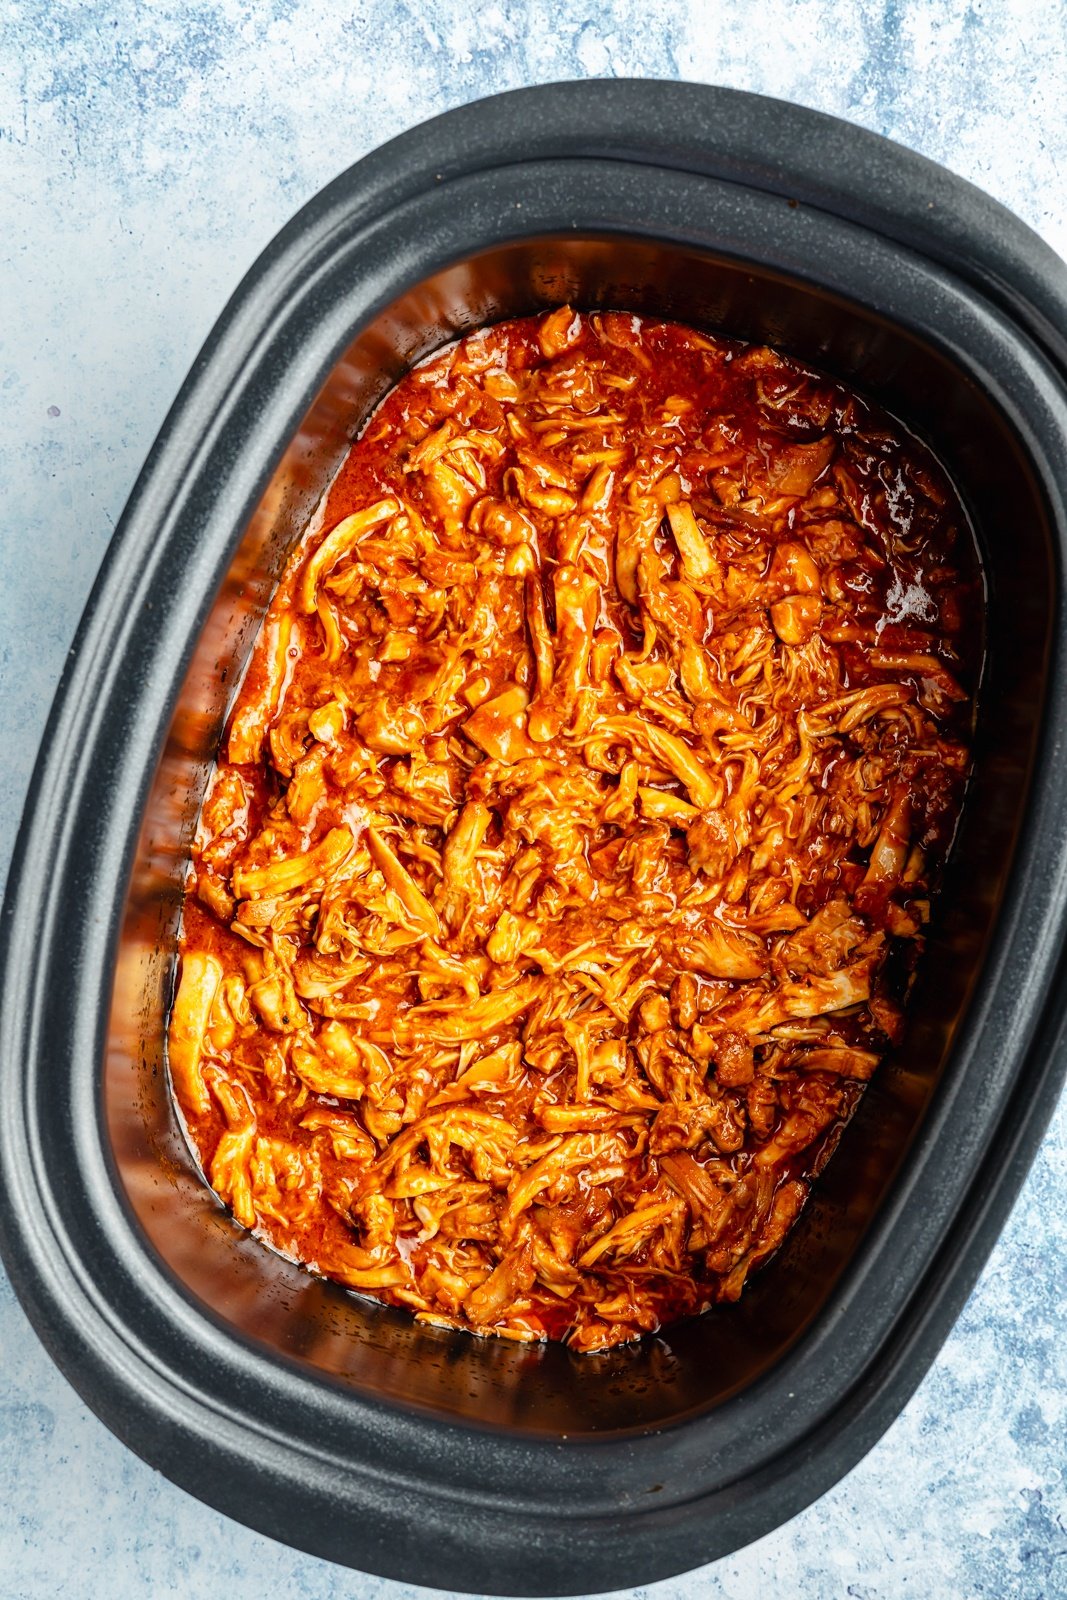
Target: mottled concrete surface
[{"x": 147, "y": 153}]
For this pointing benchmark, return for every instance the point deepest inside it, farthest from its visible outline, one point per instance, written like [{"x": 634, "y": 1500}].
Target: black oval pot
[{"x": 322, "y": 1419}]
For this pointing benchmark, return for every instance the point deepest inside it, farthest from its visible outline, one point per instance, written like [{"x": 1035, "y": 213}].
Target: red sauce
[{"x": 570, "y": 853}]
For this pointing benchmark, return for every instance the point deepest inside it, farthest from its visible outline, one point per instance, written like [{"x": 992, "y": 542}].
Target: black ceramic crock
[{"x": 324, "y": 1420}]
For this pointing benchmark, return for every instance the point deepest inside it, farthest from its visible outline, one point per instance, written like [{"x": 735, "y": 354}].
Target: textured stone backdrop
[{"x": 147, "y": 153}]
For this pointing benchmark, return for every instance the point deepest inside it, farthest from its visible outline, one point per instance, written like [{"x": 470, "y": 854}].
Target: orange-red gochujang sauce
[{"x": 572, "y": 844}]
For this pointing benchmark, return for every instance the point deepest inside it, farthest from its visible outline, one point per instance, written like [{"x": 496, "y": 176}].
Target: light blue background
[{"x": 147, "y": 153}]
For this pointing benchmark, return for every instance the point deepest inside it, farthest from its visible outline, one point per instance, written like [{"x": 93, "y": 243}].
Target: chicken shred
[{"x": 571, "y": 848}]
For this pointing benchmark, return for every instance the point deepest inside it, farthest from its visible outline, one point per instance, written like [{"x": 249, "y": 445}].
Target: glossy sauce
[{"x": 570, "y": 852}]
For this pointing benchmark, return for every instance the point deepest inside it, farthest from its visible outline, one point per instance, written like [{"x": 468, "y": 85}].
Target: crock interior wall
[{"x": 490, "y": 1382}]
